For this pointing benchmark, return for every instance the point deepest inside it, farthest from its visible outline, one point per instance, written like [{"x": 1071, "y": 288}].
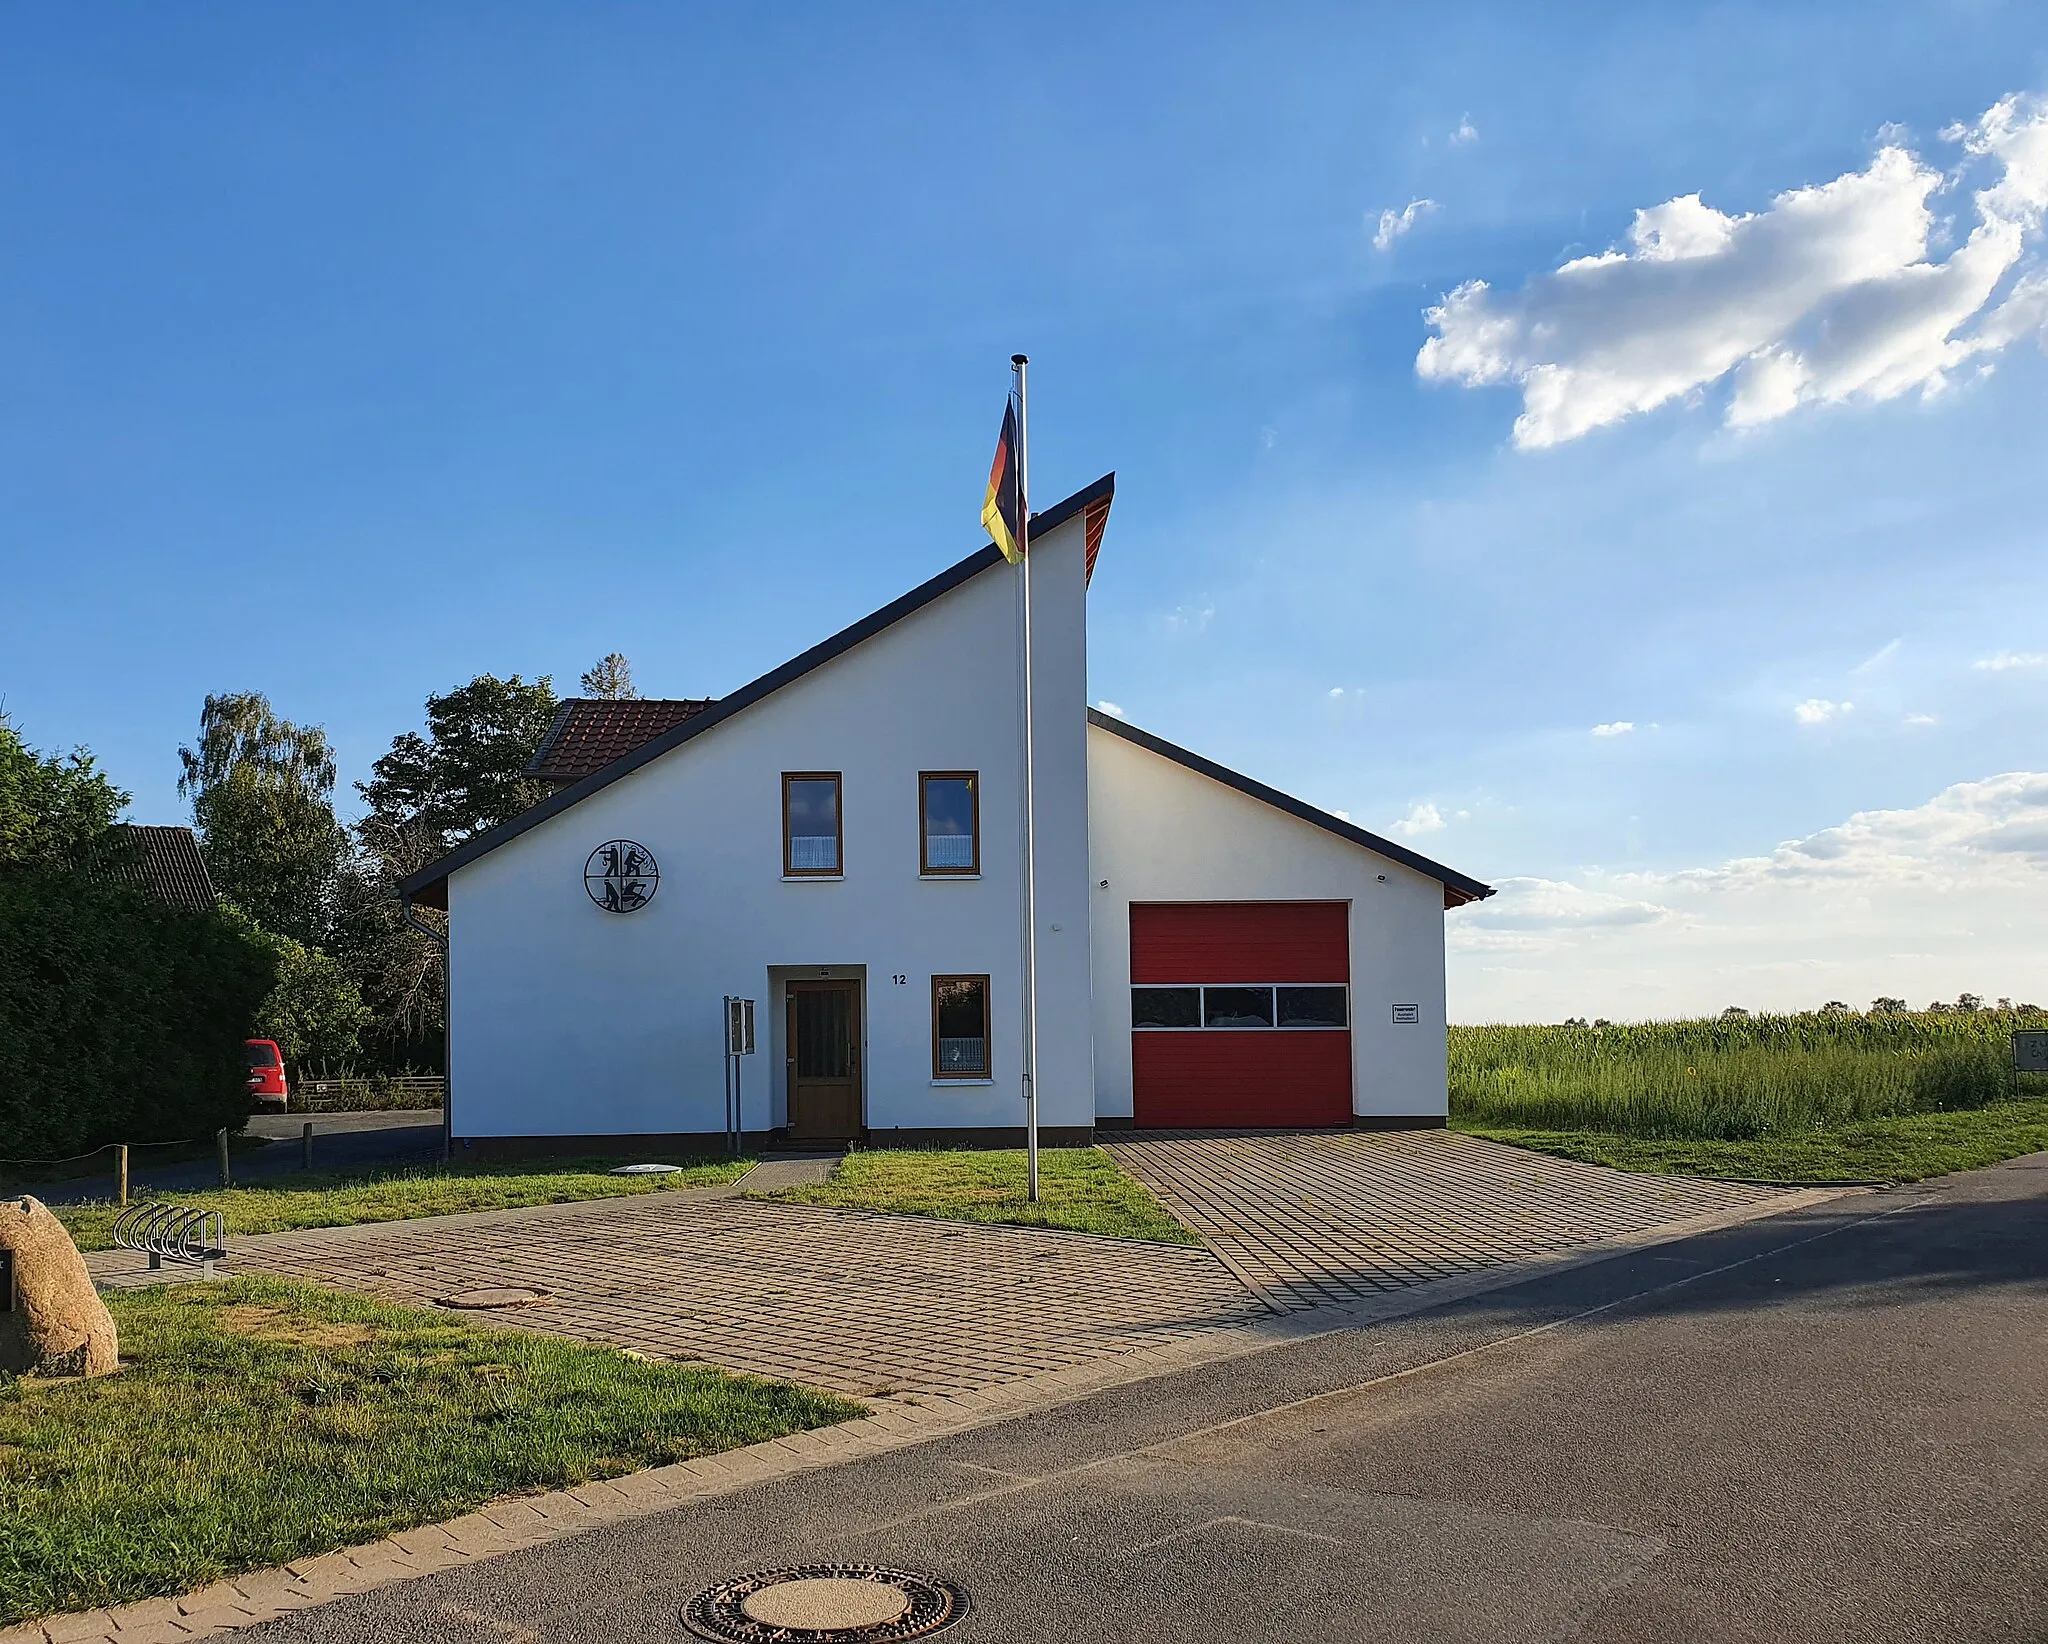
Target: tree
[
  {"x": 313, "y": 1010},
  {"x": 611, "y": 678},
  {"x": 396, "y": 966},
  {"x": 261, "y": 791},
  {"x": 1886, "y": 1005},
  {"x": 468, "y": 773},
  {"x": 50, "y": 808}
]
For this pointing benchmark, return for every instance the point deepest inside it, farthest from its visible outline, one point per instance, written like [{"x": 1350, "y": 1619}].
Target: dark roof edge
[
  {"x": 746, "y": 696},
  {"x": 563, "y": 709},
  {"x": 1468, "y": 888}
]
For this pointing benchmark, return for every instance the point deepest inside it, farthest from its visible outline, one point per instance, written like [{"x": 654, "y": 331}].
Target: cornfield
[{"x": 1735, "y": 1078}]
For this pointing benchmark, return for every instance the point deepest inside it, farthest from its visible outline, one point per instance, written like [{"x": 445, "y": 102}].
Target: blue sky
[{"x": 345, "y": 353}]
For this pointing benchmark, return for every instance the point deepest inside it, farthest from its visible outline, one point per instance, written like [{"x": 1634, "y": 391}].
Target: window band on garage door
[{"x": 1254, "y": 1006}]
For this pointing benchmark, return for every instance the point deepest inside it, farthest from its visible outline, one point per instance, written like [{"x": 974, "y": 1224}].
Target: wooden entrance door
[{"x": 823, "y": 1061}]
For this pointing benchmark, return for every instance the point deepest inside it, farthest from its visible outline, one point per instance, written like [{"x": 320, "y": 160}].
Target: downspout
[{"x": 440, "y": 939}]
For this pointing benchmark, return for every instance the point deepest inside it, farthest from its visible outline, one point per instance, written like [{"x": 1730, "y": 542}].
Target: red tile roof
[{"x": 588, "y": 733}]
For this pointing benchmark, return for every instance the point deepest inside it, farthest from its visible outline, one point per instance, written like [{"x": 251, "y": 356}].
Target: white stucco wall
[
  {"x": 570, "y": 1021},
  {"x": 1160, "y": 832}
]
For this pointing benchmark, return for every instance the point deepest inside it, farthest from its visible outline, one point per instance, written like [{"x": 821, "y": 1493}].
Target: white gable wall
[
  {"x": 569, "y": 1021},
  {"x": 1160, "y": 832}
]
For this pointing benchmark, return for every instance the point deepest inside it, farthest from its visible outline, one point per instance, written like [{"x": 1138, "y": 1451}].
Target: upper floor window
[
  {"x": 811, "y": 831},
  {"x": 949, "y": 821}
]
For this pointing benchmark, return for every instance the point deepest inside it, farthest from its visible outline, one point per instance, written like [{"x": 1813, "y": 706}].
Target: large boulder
[{"x": 54, "y": 1323}]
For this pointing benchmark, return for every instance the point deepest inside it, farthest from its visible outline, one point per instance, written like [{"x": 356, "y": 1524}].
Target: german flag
[{"x": 1001, "y": 513}]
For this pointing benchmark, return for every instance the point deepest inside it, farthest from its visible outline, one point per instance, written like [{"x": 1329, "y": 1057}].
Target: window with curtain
[
  {"x": 960, "y": 1047},
  {"x": 949, "y": 818},
  {"x": 811, "y": 833}
]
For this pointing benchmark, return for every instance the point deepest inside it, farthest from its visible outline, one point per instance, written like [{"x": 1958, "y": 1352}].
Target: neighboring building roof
[
  {"x": 429, "y": 886},
  {"x": 588, "y": 733},
  {"x": 1458, "y": 888},
  {"x": 163, "y": 861}
]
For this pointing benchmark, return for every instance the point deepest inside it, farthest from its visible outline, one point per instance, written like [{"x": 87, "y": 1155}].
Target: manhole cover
[
  {"x": 646, "y": 1170},
  {"x": 498, "y": 1295},
  {"x": 819, "y": 1603}
]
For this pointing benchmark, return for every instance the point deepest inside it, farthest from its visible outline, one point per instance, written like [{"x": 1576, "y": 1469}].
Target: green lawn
[
  {"x": 320, "y": 1199},
  {"x": 1080, "y": 1188},
  {"x": 1907, "y": 1148},
  {"x": 261, "y": 1421}
]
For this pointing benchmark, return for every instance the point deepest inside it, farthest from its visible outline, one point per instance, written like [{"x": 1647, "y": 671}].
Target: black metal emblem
[{"x": 621, "y": 876}]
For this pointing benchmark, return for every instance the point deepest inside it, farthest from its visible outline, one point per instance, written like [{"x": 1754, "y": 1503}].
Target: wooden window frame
[
  {"x": 988, "y": 1068},
  {"x": 789, "y": 869},
  {"x": 924, "y": 867}
]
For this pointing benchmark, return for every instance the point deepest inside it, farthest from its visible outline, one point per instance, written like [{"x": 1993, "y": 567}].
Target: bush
[
  {"x": 313, "y": 1010},
  {"x": 121, "y": 1019}
]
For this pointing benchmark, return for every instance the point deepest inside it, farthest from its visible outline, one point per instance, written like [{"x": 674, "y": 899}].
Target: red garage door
[{"x": 1241, "y": 1013}]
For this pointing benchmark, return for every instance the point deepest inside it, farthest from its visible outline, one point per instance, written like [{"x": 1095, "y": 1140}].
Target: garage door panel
[
  {"x": 1248, "y": 1078},
  {"x": 1223, "y": 942}
]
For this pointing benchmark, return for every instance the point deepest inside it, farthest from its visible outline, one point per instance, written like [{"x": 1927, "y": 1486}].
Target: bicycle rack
[{"x": 173, "y": 1232}]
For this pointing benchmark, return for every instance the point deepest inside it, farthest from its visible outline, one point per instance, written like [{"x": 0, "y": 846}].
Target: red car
[{"x": 266, "y": 1074}]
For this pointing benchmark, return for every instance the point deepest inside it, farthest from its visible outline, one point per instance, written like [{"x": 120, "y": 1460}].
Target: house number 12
[{"x": 899, "y": 980}]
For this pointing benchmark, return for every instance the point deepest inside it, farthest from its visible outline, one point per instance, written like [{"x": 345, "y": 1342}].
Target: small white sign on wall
[{"x": 1407, "y": 1014}]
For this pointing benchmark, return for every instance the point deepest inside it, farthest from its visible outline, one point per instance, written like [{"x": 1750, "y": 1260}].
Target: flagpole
[{"x": 1030, "y": 1045}]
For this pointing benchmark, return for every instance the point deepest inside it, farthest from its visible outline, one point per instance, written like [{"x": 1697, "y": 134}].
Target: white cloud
[
  {"x": 1923, "y": 901},
  {"x": 1189, "y": 619},
  {"x": 1827, "y": 295},
  {"x": 1879, "y": 657},
  {"x": 1467, "y": 132},
  {"x": 1615, "y": 727},
  {"x": 1341, "y": 816},
  {"x": 1919, "y": 719},
  {"x": 1336, "y": 692},
  {"x": 1554, "y": 904},
  {"x": 2006, "y": 661},
  {"x": 1423, "y": 817},
  {"x": 1997, "y": 824},
  {"x": 1393, "y": 224},
  {"x": 1110, "y": 708},
  {"x": 1818, "y": 710}
]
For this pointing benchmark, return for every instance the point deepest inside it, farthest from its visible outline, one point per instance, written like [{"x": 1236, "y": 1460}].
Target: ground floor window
[
  {"x": 960, "y": 1027},
  {"x": 1238, "y": 1006}
]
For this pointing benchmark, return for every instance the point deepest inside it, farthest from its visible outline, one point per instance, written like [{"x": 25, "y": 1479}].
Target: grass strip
[
  {"x": 1908, "y": 1148},
  {"x": 262, "y": 1421},
  {"x": 343, "y": 1199},
  {"x": 1081, "y": 1189}
]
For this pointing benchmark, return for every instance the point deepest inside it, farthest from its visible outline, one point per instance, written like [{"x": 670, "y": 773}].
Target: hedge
[{"x": 121, "y": 1019}]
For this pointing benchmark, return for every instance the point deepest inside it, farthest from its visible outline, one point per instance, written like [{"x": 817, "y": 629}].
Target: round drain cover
[
  {"x": 498, "y": 1295},
  {"x": 819, "y": 1603}
]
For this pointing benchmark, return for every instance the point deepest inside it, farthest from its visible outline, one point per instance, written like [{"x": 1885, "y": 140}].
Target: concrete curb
[{"x": 518, "y": 1523}]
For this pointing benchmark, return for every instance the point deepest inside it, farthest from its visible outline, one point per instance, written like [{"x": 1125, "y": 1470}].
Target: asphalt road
[
  {"x": 341, "y": 1141},
  {"x": 1825, "y": 1426}
]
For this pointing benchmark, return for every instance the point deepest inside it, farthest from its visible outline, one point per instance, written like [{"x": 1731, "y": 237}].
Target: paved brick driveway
[
  {"x": 863, "y": 1304},
  {"x": 1309, "y": 1219},
  {"x": 879, "y": 1305}
]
